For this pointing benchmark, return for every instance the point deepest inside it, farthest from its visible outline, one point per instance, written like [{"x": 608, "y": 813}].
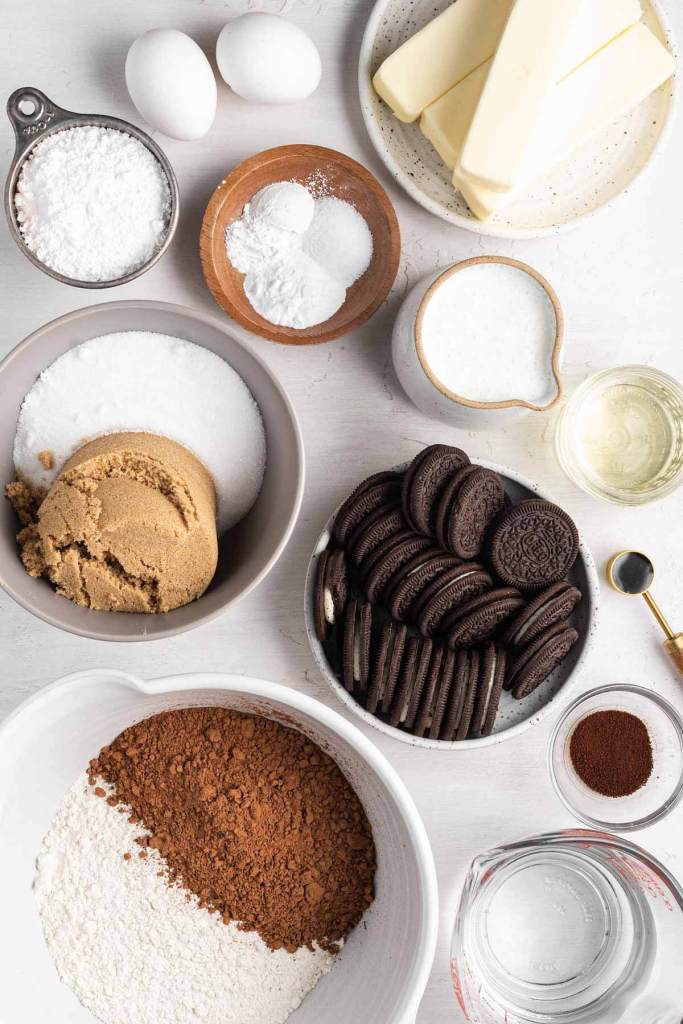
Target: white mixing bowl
[{"x": 382, "y": 971}]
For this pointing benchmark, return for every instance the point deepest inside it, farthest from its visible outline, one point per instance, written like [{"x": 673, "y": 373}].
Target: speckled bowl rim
[
  {"x": 492, "y": 228},
  {"x": 557, "y": 346},
  {"x": 557, "y": 702}
]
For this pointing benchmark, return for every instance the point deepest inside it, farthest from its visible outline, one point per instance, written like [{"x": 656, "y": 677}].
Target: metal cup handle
[{"x": 39, "y": 114}]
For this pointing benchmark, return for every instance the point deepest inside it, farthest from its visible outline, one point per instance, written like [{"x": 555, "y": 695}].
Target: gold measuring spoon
[{"x": 632, "y": 572}]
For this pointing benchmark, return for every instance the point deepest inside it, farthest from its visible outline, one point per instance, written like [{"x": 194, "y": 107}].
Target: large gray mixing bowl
[{"x": 246, "y": 553}]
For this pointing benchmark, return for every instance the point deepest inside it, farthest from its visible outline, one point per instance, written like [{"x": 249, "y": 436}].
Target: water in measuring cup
[{"x": 554, "y": 935}]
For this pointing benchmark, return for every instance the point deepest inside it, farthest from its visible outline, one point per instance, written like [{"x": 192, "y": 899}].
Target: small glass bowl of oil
[{"x": 620, "y": 435}]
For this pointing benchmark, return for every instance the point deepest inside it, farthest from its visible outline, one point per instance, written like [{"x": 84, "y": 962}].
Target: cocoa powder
[
  {"x": 253, "y": 818},
  {"x": 611, "y": 752}
]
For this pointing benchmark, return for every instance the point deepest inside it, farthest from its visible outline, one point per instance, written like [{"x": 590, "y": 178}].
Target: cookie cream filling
[{"x": 328, "y": 606}]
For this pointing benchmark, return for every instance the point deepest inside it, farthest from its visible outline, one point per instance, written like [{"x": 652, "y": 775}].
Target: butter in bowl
[{"x": 480, "y": 343}]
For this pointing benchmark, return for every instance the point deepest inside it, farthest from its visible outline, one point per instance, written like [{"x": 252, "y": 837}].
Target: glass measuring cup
[{"x": 577, "y": 927}]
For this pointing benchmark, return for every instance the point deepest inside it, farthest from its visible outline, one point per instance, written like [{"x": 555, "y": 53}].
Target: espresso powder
[
  {"x": 249, "y": 816},
  {"x": 612, "y": 753}
]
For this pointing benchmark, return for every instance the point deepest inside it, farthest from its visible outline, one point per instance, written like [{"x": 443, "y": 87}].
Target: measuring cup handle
[
  {"x": 675, "y": 648},
  {"x": 39, "y": 114}
]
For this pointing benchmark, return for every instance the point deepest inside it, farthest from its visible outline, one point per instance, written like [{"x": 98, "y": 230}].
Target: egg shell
[
  {"x": 171, "y": 83},
  {"x": 268, "y": 59}
]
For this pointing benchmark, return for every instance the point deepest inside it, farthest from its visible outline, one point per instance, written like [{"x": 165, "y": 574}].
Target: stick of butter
[
  {"x": 440, "y": 55},
  {"x": 602, "y": 90},
  {"x": 522, "y": 75},
  {"x": 446, "y": 121}
]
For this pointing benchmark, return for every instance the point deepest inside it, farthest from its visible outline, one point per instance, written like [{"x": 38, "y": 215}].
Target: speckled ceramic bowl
[
  {"x": 590, "y": 181},
  {"x": 514, "y": 716}
]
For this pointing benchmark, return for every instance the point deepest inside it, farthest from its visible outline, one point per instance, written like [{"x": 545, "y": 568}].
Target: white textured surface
[
  {"x": 120, "y": 934},
  {"x": 137, "y": 380},
  {"x": 619, "y": 280}
]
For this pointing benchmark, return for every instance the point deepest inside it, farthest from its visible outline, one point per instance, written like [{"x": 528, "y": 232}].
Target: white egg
[
  {"x": 267, "y": 59},
  {"x": 171, "y": 83}
]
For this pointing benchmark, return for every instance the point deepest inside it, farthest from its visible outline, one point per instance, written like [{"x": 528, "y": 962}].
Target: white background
[{"x": 619, "y": 278}]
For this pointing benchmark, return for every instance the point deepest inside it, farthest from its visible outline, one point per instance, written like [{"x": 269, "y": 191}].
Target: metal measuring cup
[
  {"x": 632, "y": 573},
  {"x": 40, "y": 118}
]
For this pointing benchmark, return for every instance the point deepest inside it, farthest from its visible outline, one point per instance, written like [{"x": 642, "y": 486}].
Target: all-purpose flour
[
  {"x": 135, "y": 950},
  {"x": 92, "y": 203}
]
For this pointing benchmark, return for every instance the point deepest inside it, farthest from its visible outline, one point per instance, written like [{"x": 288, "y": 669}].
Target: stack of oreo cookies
[{"x": 436, "y": 593}]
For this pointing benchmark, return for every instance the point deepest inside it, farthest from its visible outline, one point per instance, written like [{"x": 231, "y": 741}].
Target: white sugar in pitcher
[{"x": 577, "y": 927}]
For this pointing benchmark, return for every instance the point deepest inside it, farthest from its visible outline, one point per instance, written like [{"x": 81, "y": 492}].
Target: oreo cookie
[
  {"x": 471, "y": 679},
  {"x": 448, "y": 494},
  {"x": 330, "y": 592},
  {"x": 490, "y": 682},
  {"x": 552, "y": 605},
  {"x": 356, "y": 639},
  {"x": 379, "y": 489},
  {"x": 385, "y": 522},
  {"x": 430, "y": 692},
  {"x": 479, "y": 618},
  {"x": 389, "y": 558},
  {"x": 424, "y": 480},
  {"x": 413, "y": 578},
  {"x": 538, "y": 659},
  {"x": 446, "y": 593},
  {"x": 533, "y": 544},
  {"x": 411, "y": 680},
  {"x": 473, "y": 507},
  {"x": 385, "y": 663}
]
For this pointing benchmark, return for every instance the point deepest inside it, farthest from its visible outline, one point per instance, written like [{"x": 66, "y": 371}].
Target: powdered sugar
[
  {"x": 150, "y": 382},
  {"x": 300, "y": 251},
  {"x": 136, "y": 950},
  {"x": 92, "y": 203}
]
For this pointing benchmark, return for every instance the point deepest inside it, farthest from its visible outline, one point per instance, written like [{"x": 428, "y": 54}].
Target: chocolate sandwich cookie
[
  {"x": 533, "y": 544},
  {"x": 331, "y": 591},
  {"x": 445, "y": 501},
  {"x": 385, "y": 662},
  {"x": 442, "y": 695},
  {"x": 447, "y": 592},
  {"x": 356, "y": 641},
  {"x": 429, "y": 693},
  {"x": 489, "y": 688},
  {"x": 552, "y": 605},
  {"x": 411, "y": 681},
  {"x": 378, "y": 489},
  {"x": 457, "y": 695},
  {"x": 425, "y": 478},
  {"x": 411, "y": 580},
  {"x": 471, "y": 682},
  {"x": 388, "y": 560},
  {"x": 474, "y": 506},
  {"x": 385, "y": 522},
  {"x": 538, "y": 659},
  {"x": 479, "y": 618}
]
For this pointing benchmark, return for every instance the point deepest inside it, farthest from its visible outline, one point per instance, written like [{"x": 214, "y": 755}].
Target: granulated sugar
[
  {"x": 136, "y": 950},
  {"x": 140, "y": 381},
  {"x": 488, "y": 334},
  {"x": 299, "y": 250},
  {"x": 92, "y": 203}
]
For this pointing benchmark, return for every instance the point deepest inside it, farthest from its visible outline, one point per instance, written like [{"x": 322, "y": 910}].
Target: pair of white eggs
[{"x": 262, "y": 57}]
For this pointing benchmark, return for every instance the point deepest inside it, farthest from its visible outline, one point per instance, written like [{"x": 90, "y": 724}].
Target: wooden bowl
[{"x": 345, "y": 179}]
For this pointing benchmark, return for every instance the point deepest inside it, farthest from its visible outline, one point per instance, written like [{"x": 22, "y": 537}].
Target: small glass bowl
[
  {"x": 657, "y": 796},
  {"x": 651, "y": 389}
]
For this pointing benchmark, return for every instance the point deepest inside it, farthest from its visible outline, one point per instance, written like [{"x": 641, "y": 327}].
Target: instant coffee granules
[
  {"x": 611, "y": 752},
  {"x": 253, "y": 818}
]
